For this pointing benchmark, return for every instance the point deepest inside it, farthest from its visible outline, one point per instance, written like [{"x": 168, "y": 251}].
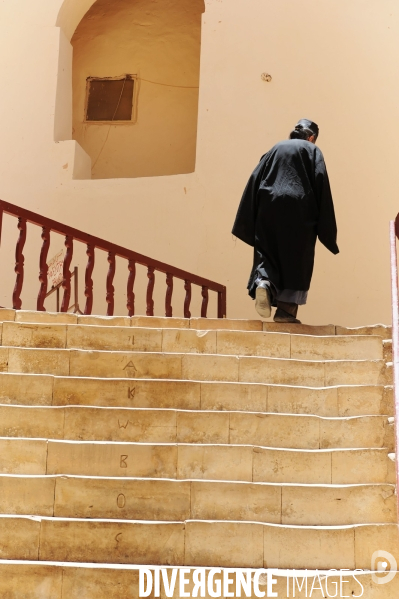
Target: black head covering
[{"x": 308, "y": 126}]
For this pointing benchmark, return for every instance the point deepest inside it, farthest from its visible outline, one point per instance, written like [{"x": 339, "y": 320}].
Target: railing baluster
[
  {"x": 66, "y": 283},
  {"x": 130, "y": 285},
  {"x": 110, "y": 280},
  {"x": 89, "y": 279},
  {"x": 222, "y": 303},
  {"x": 187, "y": 300},
  {"x": 168, "y": 298},
  {"x": 150, "y": 289},
  {"x": 43, "y": 269},
  {"x": 19, "y": 264},
  {"x": 205, "y": 300}
]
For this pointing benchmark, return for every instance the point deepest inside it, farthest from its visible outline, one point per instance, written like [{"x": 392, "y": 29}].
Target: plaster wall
[
  {"x": 159, "y": 43},
  {"x": 334, "y": 61}
]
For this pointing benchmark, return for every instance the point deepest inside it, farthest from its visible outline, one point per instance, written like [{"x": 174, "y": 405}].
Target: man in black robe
[{"x": 286, "y": 205}]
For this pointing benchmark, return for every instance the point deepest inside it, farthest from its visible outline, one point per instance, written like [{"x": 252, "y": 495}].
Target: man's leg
[{"x": 286, "y": 312}]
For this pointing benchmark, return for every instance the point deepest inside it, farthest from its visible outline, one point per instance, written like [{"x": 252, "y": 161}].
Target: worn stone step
[
  {"x": 171, "y": 500},
  {"x": 203, "y": 367},
  {"x": 158, "y": 322},
  {"x": 35, "y": 580},
  {"x": 190, "y": 461},
  {"x": 224, "y": 342},
  {"x": 201, "y": 500},
  {"x": 162, "y": 322},
  {"x": 387, "y": 348},
  {"x": 29, "y": 389},
  {"x": 193, "y": 426},
  {"x": 195, "y": 543},
  {"x": 382, "y": 330}
]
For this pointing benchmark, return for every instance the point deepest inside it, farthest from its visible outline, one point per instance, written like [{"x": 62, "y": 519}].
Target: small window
[{"x": 110, "y": 99}]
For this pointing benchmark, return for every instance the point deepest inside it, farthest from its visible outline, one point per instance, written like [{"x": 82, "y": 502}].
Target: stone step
[
  {"x": 225, "y": 342},
  {"x": 52, "y": 580},
  {"x": 183, "y": 426},
  {"x": 387, "y": 347},
  {"x": 190, "y": 461},
  {"x": 171, "y": 500},
  {"x": 202, "y": 367},
  {"x": 29, "y": 389},
  {"x": 382, "y": 330},
  {"x": 195, "y": 543},
  {"x": 161, "y": 322},
  {"x": 193, "y": 323}
]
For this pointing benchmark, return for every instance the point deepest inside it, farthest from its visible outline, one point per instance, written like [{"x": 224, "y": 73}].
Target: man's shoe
[
  {"x": 283, "y": 316},
  {"x": 263, "y": 299}
]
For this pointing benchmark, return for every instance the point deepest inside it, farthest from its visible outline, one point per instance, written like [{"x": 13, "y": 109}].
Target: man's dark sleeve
[
  {"x": 244, "y": 225},
  {"x": 326, "y": 226}
]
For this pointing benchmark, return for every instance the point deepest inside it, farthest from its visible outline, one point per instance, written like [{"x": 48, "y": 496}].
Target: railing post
[
  {"x": 150, "y": 290},
  {"x": 43, "y": 269},
  {"x": 76, "y": 289},
  {"x": 66, "y": 283},
  {"x": 19, "y": 264},
  {"x": 89, "y": 278},
  {"x": 168, "y": 297},
  {"x": 110, "y": 287},
  {"x": 222, "y": 301},
  {"x": 187, "y": 300},
  {"x": 205, "y": 300},
  {"x": 130, "y": 285}
]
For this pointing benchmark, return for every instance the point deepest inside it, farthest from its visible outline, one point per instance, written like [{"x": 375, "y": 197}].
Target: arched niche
[
  {"x": 156, "y": 44},
  {"x": 70, "y": 15}
]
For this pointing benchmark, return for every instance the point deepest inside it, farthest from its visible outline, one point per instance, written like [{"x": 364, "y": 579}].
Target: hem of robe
[{"x": 291, "y": 296}]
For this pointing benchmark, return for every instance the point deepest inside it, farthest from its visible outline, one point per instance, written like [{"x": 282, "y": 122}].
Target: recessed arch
[
  {"x": 73, "y": 11},
  {"x": 157, "y": 43},
  {"x": 70, "y": 15}
]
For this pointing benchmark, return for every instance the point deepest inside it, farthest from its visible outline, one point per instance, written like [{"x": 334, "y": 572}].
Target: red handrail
[
  {"x": 113, "y": 250},
  {"x": 394, "y": 234}
]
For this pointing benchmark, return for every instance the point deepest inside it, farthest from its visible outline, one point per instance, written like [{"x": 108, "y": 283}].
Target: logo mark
[{"x": 382, "y": 563}]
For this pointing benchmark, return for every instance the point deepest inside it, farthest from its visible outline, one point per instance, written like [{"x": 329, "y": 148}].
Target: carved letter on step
[
  {"x": 123, "y": 463},
  {"x": 121, "y": 501},
  {"x": 131, "y": 393},
  {"x": 130, "y": 365}
]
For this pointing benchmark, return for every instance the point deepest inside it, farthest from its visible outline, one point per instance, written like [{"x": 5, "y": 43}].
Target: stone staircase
[{"x": 215, "y": 443}]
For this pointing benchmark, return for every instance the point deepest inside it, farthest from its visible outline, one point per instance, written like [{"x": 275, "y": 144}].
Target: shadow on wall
[{"x": 135, "y": 86}]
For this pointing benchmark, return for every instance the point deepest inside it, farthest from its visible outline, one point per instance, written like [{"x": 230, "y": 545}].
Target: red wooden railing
[
  {"x": 95, "y": 243},
  {"x": 394, "y": 230}
]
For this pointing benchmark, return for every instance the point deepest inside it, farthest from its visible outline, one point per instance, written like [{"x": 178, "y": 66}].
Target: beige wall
[
  {"x": 333, "y": 61},
  {"x": 159, "y": 42}
]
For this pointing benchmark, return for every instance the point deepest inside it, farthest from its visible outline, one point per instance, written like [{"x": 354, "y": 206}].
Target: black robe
[{"x": 286, "y": 205}]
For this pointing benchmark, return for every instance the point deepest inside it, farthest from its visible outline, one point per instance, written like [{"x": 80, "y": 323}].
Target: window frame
[{"x": 136, "y": 85}]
